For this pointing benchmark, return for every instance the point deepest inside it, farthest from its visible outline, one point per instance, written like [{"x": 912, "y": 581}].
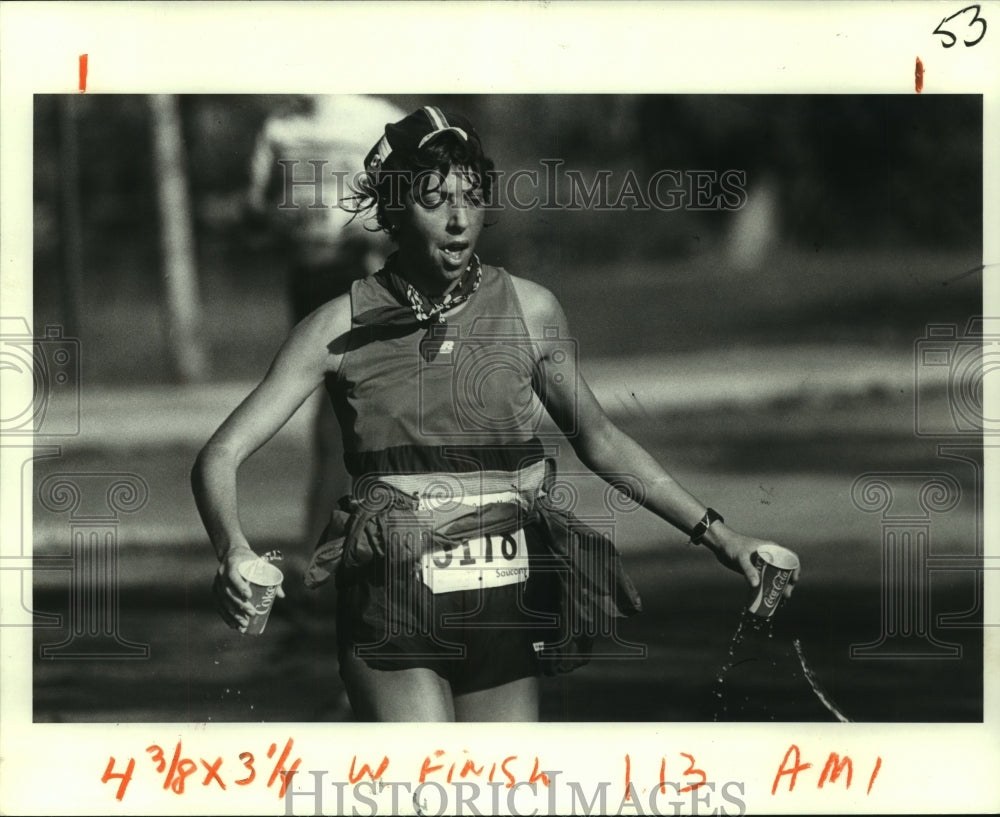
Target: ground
[{"x": 782, "y": 471}]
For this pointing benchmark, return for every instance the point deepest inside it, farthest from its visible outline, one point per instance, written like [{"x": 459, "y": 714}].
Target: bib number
[{"x": 493, "y": 561}]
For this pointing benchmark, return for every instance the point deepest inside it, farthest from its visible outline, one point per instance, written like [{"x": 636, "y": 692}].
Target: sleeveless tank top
[{"x": 457, "y": 398}]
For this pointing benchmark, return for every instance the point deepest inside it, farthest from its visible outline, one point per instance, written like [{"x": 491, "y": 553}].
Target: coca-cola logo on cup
[
  {"x": 265, "y": 602},
  {"x": 777, "y": 585}
]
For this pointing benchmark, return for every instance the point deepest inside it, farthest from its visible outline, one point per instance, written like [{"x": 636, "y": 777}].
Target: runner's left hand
[{"x": 734, "y": 550}]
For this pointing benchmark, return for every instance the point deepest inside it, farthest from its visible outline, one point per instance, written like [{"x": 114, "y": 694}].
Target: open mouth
[{"x": 454, "y": 251}]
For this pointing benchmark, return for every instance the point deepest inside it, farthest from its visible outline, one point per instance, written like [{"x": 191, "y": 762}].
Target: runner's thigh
[
  {"x": 514, "y": 701},
  {"x": 416, "y": 694}
]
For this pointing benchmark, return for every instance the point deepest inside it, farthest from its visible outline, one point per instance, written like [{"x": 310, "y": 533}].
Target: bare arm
[
  {"x": 606, "y": 449},
  {"x": 296, "y": 372}
]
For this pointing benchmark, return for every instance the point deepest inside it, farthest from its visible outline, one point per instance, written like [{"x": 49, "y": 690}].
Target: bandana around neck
[
  {"x": 414, "y": 306},
  {"x": 415, "y": 309},
  {"x": 426, "y": 309}
]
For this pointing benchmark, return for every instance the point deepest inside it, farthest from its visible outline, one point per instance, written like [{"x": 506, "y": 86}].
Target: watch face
[{"x": 711, "y": 516}]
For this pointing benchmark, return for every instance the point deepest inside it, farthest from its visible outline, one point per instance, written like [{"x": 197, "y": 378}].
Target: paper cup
[
  {"x": 775, "y": 565},
  {"x": 264, "y": 580}
]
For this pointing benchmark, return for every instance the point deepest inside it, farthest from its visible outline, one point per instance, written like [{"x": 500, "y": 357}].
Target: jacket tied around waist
[{"x": 576, "y": 576}]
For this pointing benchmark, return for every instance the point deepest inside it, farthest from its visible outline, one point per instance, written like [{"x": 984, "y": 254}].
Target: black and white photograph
[{"x": 415, "y": 445}]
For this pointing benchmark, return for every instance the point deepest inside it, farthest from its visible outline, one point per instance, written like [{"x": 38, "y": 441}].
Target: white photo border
[{"x": 550, "y": 47}]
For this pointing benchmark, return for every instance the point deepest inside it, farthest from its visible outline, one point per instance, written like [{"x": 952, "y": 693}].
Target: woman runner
[{"x": 450, "y": 557}]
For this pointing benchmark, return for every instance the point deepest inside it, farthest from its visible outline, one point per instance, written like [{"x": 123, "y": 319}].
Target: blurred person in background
[
  {"x": 306, "y": 154},
  {"x": 453, "y": 515}
]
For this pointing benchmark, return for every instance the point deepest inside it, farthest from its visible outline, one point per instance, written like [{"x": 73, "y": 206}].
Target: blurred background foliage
[{"x": 860, "y": 191}]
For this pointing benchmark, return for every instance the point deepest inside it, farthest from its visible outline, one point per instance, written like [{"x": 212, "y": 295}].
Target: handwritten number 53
[{"x": 951, "y": 39}]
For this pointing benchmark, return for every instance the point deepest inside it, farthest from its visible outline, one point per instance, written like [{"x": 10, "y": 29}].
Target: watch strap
[{"x": 698, "y": 532}]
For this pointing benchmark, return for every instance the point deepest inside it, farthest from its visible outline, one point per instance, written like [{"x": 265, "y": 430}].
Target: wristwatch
[{"x": 698, "y": 531}]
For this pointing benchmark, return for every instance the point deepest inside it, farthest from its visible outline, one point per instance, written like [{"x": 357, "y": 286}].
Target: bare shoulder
[
  {"x": 334, "y": 315},
  {"x": 541, "y": 308},
  {"x": 320, "y": 334}
]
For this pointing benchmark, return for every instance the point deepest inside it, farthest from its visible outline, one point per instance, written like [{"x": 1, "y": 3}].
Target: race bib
[{"x": 493, "y": 561}]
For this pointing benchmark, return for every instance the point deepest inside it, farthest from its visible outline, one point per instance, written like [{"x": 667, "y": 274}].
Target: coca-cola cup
[
  {"x": 775, "y": 565},
  {"x": 264, "y": 579}
]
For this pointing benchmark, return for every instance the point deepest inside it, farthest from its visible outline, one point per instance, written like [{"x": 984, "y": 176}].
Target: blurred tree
[
  {"x": 848, "y": 172},
  {"x": 71, "y": 226},
  {"x": 176, "y": 240}
]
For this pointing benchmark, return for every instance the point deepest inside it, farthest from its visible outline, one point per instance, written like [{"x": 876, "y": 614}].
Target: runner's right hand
[{"x": 231, "y": 590}]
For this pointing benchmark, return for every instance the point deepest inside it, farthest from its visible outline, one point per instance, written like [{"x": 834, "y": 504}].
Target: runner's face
[{"x": 439, "y": 228}]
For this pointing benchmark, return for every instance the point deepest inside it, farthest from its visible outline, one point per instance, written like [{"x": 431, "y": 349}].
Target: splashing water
[
  {"x": 766, "y": 678},
  {"x": 818, "y": 691}
]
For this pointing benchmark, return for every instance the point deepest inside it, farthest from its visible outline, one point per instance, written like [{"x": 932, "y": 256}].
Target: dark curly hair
[{"x": 383, "y": 190}]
